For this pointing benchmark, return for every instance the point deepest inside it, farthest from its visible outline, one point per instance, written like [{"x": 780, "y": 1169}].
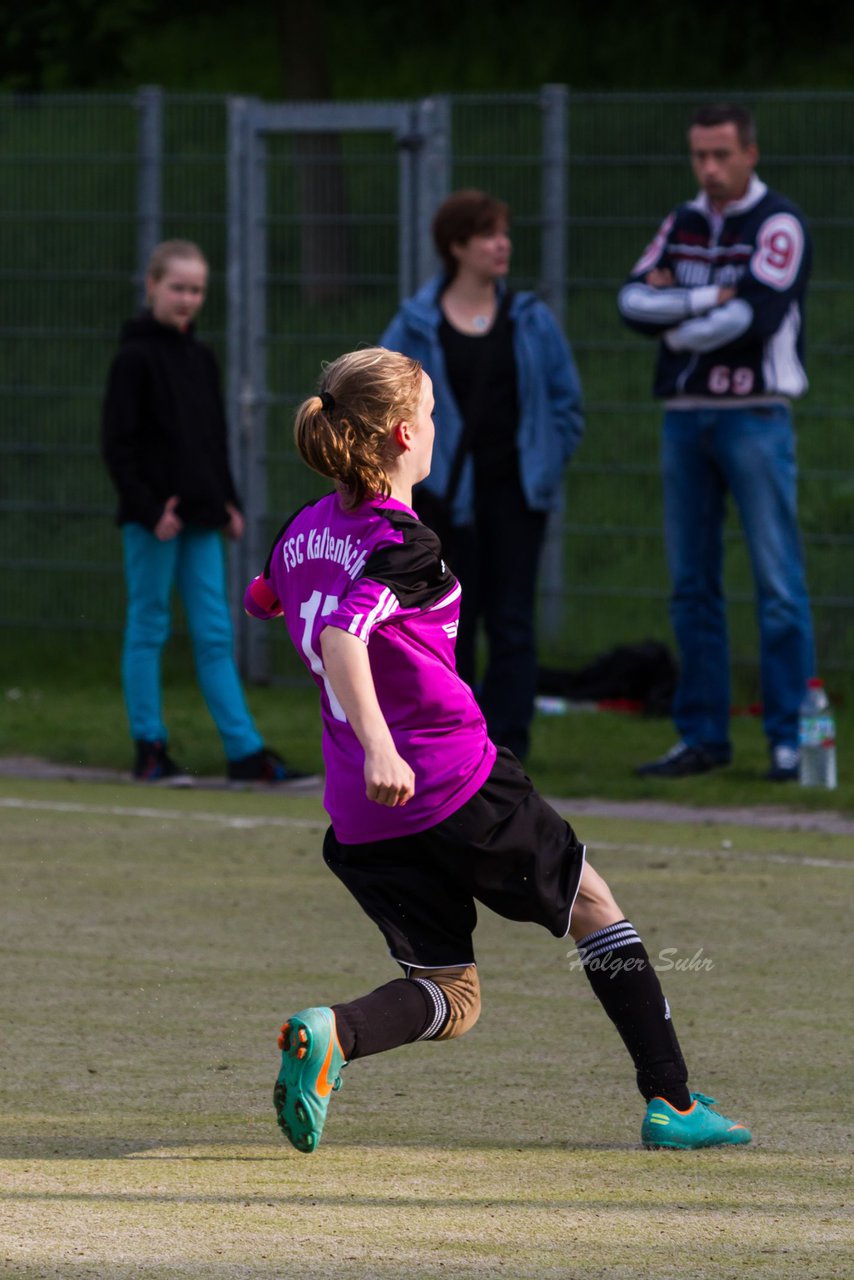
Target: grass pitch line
[
  {"x": 311, "y": 824},
  {"x": 174, "y": 815},
  {"x": 785, "y": 859}
]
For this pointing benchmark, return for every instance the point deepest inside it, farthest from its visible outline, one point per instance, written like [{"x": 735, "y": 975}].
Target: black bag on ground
[{"x": 645, "y": 672}]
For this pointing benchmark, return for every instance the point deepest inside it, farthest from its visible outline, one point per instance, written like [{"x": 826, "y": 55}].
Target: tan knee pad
[{"x": 461, "y": 989}]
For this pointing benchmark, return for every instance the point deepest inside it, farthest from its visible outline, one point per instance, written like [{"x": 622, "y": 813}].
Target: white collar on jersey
[{"x": 755, "y": 191}]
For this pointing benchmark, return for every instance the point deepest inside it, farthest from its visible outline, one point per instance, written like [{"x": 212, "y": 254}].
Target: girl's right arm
[{"x": 388, "y": 778}]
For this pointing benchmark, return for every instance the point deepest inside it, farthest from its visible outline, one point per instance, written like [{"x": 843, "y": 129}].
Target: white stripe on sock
[
  {"x": 440, "y": 1006},
  {"x": 603, "y": 941}
]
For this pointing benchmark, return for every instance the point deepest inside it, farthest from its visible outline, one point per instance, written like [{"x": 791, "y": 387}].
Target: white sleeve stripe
[
  {"x": 356, "y": 623},
  {"x": 448, "y": 599},
  {"x": 369, "y": 621},
  {"x": 655, "y": 248},
  {"x": 391, "y": 607},
  {"x": 781, "y": 368},
  {"x": 387, "y": 604}
]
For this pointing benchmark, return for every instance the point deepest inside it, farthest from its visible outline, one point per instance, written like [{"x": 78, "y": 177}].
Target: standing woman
[
  {"x": 164, "y": 444},
  {"x": 508, "y": 418},
  {"x": 427, "y": 817}
]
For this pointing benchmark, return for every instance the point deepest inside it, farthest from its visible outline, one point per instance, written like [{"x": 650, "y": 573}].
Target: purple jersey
[{"x": 378, "y": 573}]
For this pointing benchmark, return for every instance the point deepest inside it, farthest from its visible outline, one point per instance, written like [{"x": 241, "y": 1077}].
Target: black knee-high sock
[
  {"x": 621, "y": 974},
  {"x": 397, "y": 1013}
]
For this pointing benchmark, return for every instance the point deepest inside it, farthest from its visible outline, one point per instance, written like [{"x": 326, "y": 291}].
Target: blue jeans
[
  {"x": 194, "y": 562},
  {"x": 751, "y": 453}
]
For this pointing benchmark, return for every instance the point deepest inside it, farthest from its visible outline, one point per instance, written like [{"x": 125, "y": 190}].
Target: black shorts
[{"x": 505, "y": 847}]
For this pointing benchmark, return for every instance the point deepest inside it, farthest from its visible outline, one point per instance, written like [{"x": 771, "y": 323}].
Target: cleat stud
[{"x": 301, "y": 1052}]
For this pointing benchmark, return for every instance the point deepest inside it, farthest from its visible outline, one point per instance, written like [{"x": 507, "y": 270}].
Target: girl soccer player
[{"x": 427, "y": 816}]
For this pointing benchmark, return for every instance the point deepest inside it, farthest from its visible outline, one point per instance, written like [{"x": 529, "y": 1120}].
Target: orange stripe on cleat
[
  {"x": 686, "y": 1112},
  {"x": 323, "y": 1084}
]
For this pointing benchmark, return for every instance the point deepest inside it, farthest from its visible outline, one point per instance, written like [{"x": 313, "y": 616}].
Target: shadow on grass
[{"x": 83, "y": 1148}]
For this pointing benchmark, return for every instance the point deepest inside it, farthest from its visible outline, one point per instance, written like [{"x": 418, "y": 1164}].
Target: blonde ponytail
[{"x": 345, "y": 431}]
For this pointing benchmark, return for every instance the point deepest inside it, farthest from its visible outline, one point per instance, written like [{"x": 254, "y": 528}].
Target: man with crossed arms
[{"x": 722, "y": 288}]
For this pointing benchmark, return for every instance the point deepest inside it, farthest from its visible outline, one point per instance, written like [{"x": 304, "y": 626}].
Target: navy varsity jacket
[{"x": 750, "y": 347}]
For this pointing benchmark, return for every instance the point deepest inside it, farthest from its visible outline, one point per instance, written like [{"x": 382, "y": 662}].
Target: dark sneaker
[
  {"x": 784, "y": 764},
  {"x": 154, "y": 764},
  {"x": 262, "y": 766},
  {"x": 681, "y": 761},
  {"x": 699, "y": 1126},
  {"x": 312, "y": 1060}
]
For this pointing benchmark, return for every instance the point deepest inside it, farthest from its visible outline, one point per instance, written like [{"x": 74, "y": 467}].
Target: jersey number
[
  {"x": 779, "y": 251},
  {"x": 308, "y": 611}
]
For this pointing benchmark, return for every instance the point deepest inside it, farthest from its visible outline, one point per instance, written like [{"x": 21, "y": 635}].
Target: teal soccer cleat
[
  {"x": 699, "y": 1126},
  {"x": 311, "y": 1062}
]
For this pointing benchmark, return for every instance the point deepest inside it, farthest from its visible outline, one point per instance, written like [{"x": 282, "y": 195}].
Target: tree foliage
[{"x": 382, "y": 48}]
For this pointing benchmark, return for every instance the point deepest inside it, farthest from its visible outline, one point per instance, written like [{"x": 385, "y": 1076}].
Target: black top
[
  {"x": 482, "y": 374},
  {"x": 164, "y": 427}
]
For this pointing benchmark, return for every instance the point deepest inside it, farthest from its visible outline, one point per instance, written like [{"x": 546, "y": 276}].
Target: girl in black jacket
[{"x": 164, "y": 443}]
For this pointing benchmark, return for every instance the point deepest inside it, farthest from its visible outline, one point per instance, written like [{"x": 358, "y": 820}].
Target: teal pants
[{"x": 194, "y": 563}]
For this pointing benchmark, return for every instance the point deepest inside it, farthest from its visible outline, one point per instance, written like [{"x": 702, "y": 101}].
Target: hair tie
[{"x": 327, "y": 401}]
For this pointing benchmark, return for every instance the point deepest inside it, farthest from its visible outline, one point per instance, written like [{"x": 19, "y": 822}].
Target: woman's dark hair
[{"x": 465, "y": 214}]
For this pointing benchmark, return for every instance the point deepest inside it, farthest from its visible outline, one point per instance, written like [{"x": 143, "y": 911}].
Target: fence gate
[{"x": 328, "y": 229}]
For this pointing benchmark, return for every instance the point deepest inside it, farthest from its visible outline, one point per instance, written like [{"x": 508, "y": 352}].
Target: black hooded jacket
[{"x": 164, "y": 427}]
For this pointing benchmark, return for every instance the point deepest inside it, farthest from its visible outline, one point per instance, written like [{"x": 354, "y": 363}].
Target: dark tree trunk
[{"x": 326, "y": 239}]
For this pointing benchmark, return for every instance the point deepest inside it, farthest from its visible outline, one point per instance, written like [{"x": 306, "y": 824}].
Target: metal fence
[{"x": 315, "y": 219}]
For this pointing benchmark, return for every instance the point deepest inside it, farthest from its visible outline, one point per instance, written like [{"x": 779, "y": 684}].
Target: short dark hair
[
  {"x": 727, "y": 113},
  {"x": 465, "y": 214}
]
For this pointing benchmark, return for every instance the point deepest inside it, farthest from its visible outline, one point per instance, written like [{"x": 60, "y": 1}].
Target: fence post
[
  {"x": 253, "y": 393},
  {"x": 433, "y": 117},
  {"x": 149, "y": 215},
  {"x": 409, "y": 143},
  {"x": 235, "y": 329},
  {"x": 555, "y": 100},
  {"x": 555, "y": 103}
]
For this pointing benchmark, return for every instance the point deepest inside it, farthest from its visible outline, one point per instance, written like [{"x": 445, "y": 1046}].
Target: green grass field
[
  {"x": 65, "y": 705},
  {"x": 152, "y": 943}
]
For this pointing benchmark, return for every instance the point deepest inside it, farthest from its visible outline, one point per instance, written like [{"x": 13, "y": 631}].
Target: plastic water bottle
[
  {"x": 548, "y": 706},
  {"x": 817, "y": 739}
]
